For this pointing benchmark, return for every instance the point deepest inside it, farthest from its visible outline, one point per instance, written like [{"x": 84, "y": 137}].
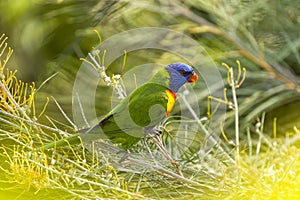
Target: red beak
[{"x": 193, "y": 78}]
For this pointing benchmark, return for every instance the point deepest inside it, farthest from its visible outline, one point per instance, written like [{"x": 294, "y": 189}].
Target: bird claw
[
  {"x": 157, "y": 131},
  {"x": 154, "y": 132},
  {"x": 175, "y": 163}
]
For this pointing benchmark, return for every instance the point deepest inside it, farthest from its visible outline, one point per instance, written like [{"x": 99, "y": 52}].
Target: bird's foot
[
  {"x": 154, "y": 132},
  {"x": 126, "y": 154}
]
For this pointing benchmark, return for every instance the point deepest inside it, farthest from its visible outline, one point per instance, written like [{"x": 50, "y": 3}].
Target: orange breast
[{"x": 171, "y": 97}]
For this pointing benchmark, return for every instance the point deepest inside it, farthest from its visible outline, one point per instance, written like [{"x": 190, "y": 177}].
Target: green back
[{"x": 144, "y": 108}]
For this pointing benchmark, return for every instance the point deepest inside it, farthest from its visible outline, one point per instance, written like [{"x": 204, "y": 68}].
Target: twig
[
  {"x": 47, "y": 80},
  {"x": 209, "y": 136},
  {"x": 33, "y": 123},
  {"x": 82, "y": 112},
  {"x": 64, "y": 114},
  {"x": 149, "y": 150},
  {"x": 110, "y": 81},
  {"x": 260, "y": 125},
  {"x": 235, "y": 83},
  {"x": 8, "y": 134},
  {"x": 8, "y": 122},
  {"x": 164, "y": 172},
  {"x": 259, "y": 131},
  {"x": 158, "y": 142},
  {"x": 249, "y": 142},
  {"x": 236, "y": 115}
]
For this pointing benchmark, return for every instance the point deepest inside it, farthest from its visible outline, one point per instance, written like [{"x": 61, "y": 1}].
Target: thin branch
[
  {"x": 236, "y": 115},
  {"x": 64, "y": 114},
  {"x": 82, "y": 111},
  {"x": 33, "y": 123},
  {"x": 47, "y": 80},
  {"x": 249, "y": 141},
  {"x": 158, "y": 142},
  {"x": 164, "y": 172},
  {"x": 210, "y": 137}
]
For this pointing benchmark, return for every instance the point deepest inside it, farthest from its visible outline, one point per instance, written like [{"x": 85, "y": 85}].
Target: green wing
[
  {"x": 143, "y": 108},
  {"x": 148, "y": 104}
]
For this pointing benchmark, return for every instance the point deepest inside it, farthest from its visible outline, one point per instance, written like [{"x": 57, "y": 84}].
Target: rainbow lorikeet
[{"x": 140, "y": 111}]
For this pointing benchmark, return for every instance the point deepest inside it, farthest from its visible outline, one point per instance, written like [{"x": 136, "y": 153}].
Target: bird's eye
[{"x": 184, "y": 73}]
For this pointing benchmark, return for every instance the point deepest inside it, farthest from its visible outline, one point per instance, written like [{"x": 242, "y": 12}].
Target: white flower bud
[{"x": 117, "y": 76}]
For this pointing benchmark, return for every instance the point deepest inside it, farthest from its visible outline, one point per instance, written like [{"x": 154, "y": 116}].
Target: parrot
[{"x": 139, "y": 112}]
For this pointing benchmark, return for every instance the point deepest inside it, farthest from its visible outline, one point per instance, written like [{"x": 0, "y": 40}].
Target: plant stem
[
  {"x": 207, "y": 133},
  {"x": 236, "y": 116}
]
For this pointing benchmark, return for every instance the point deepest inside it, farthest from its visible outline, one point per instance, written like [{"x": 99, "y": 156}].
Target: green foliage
[{"x": 52, "y": 37}]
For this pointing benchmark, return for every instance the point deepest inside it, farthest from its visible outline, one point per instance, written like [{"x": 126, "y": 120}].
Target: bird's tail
[
  {"x": 84, "y": 135},
  {"x": 81, "y": 136},
  {"x": 74, "y": 139}
]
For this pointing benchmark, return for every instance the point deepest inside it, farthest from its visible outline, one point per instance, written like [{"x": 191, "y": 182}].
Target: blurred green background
[{"x": 51, "y": 36}]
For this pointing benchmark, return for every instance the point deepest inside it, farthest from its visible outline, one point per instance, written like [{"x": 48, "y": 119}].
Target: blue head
[{"x": 180, "y": 73}]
